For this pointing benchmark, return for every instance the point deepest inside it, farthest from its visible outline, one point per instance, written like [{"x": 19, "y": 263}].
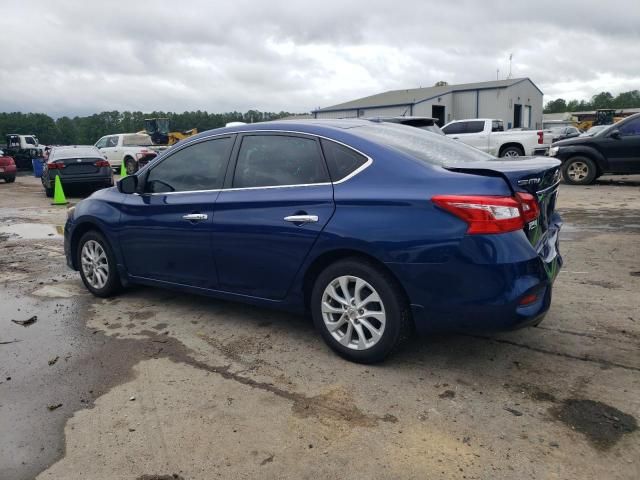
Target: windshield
[
  {"x": 420, "y": 144},
  {"x": 138, "y": 139}
]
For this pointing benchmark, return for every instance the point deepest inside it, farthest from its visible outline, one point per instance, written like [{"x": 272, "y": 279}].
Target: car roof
[{"x": 74, "y": 151}]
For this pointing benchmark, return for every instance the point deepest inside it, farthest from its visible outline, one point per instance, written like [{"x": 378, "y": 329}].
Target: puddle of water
[{"x": 32, "y": 231}]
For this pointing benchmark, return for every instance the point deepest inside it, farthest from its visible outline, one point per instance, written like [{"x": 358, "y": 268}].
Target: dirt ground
[{"x": 155, "y": 384}]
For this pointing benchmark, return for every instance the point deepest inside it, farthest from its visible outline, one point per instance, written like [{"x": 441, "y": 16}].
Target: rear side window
[
  {"x": 497, "y": 126},
  {"x": 278, "y": 160},
  {"x": 474, "y": 127},
  {"x": 196, "y": 167},
  {"x": 342, "y": 161}
]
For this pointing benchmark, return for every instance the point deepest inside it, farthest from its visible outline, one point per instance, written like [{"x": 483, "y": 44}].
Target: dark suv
[{"x": 614, "y": 150}]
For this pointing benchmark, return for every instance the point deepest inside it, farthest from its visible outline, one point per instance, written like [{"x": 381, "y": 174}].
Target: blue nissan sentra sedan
[{"x": 377, "y": 230}]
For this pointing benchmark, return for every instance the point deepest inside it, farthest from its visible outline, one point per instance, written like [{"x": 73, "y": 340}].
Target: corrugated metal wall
[
  {"x": 464, "y": 105},
  {"x": 338, "y": 114}
]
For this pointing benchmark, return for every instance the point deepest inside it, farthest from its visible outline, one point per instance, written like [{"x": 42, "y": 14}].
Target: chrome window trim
[{"x": 361, "y": 168}]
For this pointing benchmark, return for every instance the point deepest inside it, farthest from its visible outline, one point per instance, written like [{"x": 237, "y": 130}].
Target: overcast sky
[{"x": 79, "y": 57}]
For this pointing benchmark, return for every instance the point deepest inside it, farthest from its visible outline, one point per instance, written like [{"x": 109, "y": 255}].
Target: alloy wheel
[
  {"x": 95, "y": 264},
  {"x": 353, "y": 312},
  {"x": 578, "y": 171},
  {"x": 511, "y": 153}
]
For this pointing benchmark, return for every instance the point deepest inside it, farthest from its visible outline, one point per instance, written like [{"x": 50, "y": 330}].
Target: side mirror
[
  {"x": 128, "y": 184},
  {"x": 615, "y": 134}
]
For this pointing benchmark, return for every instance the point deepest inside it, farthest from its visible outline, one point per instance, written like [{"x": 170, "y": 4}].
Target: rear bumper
[
  {"x": 88, "y": 180},
  {"x": 8, "y": 171},
  {"x": 469, "y": 293}
]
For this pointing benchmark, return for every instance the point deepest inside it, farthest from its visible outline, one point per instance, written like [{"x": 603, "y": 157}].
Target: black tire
[
  {"x": 512, "y": 152},
  {"x": 10, "y": 179},
  {"x": 130, "y": 165},
  {"x": 398, "y": 325},
  {"x": 48, "y": 191},
  {"x": 112, "y": 285},
  {"x": 579, "y": 171}
]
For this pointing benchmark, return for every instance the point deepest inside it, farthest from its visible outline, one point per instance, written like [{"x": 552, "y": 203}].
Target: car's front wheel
[
  {"x": 579, "y": 171},
  {"x": 360, "y": 310},
  {"x": 97, "y": 265}
]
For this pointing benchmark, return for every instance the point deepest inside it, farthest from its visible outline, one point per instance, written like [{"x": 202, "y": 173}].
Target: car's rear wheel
[
  {"x": 360, "y": 310},
  {"x": 97, "y": 265},
  {"x": 512, "y": 152},
  {"x": 579, "y": 171},
  {"x": 48, "y": 191}
]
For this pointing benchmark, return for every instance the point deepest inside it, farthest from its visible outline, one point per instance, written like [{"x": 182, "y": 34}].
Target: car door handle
[
  {"x": 195, "y": 217},
  {"x": 455, "y": 138},
  {"x": 301, "y": 219}
]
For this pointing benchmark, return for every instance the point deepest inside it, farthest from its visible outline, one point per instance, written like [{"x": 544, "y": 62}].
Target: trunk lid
[
  {"x": 538, "y": 176},
  {"x": 78, "y": 166}
]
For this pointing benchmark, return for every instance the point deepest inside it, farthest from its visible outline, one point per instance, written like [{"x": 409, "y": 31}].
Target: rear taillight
[
  {"x": 529, "y": 206},
  {"x": 540, "y": 137},
  {"x": 102, "y": 163},
  {"x": 55, "y": 166},
  {"x": 490, "y": 214}
]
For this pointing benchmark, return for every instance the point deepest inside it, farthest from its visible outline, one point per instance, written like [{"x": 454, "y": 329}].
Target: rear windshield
[
  {"x": 135, "y": 140},
  {"x": 421, "y": 144}
]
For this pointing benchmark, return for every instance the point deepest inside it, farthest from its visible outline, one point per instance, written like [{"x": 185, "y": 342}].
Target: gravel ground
[{"x": 155, "y": 384}]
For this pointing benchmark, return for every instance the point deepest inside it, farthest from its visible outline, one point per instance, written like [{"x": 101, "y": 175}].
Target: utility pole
[{"x": 510, "y": 58}]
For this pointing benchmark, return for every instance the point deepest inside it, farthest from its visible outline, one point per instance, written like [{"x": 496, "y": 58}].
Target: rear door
[
  {"x": 278, "y": 201},
  {"x": 166, "y": 231},
  {"x": 473, "y": 133}
]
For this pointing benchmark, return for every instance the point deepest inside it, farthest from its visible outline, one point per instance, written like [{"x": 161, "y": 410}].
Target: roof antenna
[{"x": 498, "y": 74}]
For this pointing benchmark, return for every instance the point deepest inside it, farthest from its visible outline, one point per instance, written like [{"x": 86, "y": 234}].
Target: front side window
[
  {"x": 196, "y": 167},
  {"x": 277, "y": 160},
  {"x": 29, "y": 141},
  {"x": 454, "y": 128},
  {"x": 102, "y": 142},
  {"x": 631, "y": 128},
  {"x": 342, "y": 161}
]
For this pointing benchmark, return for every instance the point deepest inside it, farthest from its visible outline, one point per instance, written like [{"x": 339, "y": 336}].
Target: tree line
[
  {"x": 87, "y": 130},
  {"x": 630, "y": 99}
]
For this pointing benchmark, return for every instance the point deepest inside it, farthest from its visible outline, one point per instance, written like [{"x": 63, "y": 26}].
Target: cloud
[{"x": 68, "y": 58}]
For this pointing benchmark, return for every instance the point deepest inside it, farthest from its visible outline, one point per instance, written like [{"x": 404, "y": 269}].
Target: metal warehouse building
[{"x": 517, "y": 101}]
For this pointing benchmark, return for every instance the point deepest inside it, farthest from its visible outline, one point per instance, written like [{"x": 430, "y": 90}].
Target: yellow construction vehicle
[
  {"x": 603, "y": 116},
  {"x": 158, "y": 130}
]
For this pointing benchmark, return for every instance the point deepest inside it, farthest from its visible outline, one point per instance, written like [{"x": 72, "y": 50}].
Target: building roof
[{"x": 417, "y": 95}]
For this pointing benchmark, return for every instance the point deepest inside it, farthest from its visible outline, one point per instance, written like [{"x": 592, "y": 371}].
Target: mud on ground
[{"x": 155, "y": 384}]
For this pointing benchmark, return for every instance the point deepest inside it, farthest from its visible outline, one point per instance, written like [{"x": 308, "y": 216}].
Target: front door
[
  {"x": 623, "y": 153},
  {"x": 279, "y": 200},
  {"x": 166, "y": 231}
]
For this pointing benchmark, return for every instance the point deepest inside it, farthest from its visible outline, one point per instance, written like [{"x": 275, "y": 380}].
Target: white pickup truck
[
  {"x": 488, "y": 135},
  {"x": 134, "y": 149}
]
